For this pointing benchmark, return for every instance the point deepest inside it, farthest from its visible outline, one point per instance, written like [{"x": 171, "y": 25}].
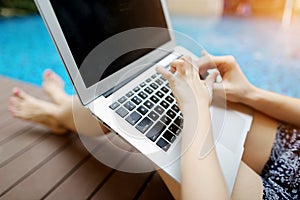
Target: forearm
[
  {"x": 201, "y": 176},
  {"x": 280, "y": 107}
]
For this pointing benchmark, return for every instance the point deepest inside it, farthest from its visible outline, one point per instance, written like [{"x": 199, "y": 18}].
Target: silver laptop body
[{"x": 114, "y": 95}]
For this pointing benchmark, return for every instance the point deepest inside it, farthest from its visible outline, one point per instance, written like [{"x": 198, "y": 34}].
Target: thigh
[
  {"x": 259, "y": 142},
  {"x": 260, "y": 139},
  {"x": 248, "y": 184}
]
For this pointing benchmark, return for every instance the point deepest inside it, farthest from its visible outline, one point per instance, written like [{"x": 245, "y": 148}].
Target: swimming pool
[{"x": 269, "y": 56}]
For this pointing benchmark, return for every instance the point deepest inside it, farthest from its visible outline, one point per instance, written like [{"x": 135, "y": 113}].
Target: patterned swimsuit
[{"x": 281, "y": 174}]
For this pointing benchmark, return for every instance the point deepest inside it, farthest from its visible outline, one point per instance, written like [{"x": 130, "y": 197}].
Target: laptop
[{"x": 110, "y": 50}]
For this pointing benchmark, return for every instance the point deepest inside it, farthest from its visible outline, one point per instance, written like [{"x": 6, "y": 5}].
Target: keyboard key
[
  {"x": 148, "y": 104},
  {"x": 114, "y": 105},
  {"x": 164, "y": 104},
  {"x": 171, "y": 114},
  {"x": 122, "y": 99},
  {"x": 175, "y": 108},
  {"x": 142, "y": 110},
  {"x": 154, "y": 99},
  {"x": 163, "y": 144},
  {"x": 169, "y": 136},
  {"x": 168, "y": 85},
  {"x": 159, "y": 110},
  {"x": 165, "y": 90},
  {"x": 122, "y": 112},
  {"x": 154, "y": 76},
  {"x": 179, "y": 121},
  {"x": 143, "y": 95},
  {"x": 163, "y": 78},
  {"x": 156, "y": 131},
  {"x": 129, "y": 94},
  {"x": 133, "y": 118},
  {"x": 148, "y": 80},
  {"x": 159, "y": 82},
  {"x": 169, "y": 99},
  {"x": 160, "y": 94},
  {"x": 166, "y": 120},
  {"x": 136, "y": 89},
  {"x": 154, "y": 86},
  {"x": 130, "y": 106},
  {"x": 175, "y": 129},
  {"x": 142, "y": 84},
  {"x": 144, "y": 125},
  {"x": 148, "y": 90},
  {"x": 153, "y": 116},
  {"x": 136, "y": 100}
]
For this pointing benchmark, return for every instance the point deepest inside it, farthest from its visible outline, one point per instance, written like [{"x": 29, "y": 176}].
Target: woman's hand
[
  {"x": 187, "y": 87},
  {"x": 236, "y": 85},
  {"x": 194, "y": 97}
]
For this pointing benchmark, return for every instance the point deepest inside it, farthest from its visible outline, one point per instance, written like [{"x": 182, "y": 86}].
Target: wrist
[
  {"x": 194, "y": 107},
  {"x": 251, "y": 96}
]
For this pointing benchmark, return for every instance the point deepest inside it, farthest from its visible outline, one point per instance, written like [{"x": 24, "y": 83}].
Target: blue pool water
[{"x": 269, "y": 56}]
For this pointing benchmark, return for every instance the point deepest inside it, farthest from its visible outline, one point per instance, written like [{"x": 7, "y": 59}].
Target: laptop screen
[{"x": 87, "y": 23}]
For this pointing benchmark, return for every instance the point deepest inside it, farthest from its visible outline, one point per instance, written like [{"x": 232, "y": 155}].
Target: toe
[
  {"x": 19, "y": 93},
  {"x": 47, "y": 73},
  {"x": 14, "y": 101},
  {"x": 51, "y": 79}
]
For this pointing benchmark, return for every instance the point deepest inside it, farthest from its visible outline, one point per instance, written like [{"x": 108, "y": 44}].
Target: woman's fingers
[
  {"x": 187, "y": 59},
  {"x": 179, "y": 66},
  {"x": 211, "y": 79},
  {"x": 205, "y": 63},
  {"x": 165, "y": 73}
]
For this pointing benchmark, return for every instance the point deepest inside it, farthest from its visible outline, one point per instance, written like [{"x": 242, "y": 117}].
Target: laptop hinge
[{"x": 120, "y": 85}]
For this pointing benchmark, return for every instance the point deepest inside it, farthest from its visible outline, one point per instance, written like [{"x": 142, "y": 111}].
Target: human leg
[
  {"x": 69, "y": 116},
  {"x": 27, "y": 107},
  {"x": 259, "y": 142},
  {"x": 248, "y": 184},
  {"x": 53, "y": 86},
  {"x": 64, "y": 114},
  {"x": 258, "y": 146}
]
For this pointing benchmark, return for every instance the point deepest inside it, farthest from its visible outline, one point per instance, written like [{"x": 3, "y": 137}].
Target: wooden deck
[{"x": 34, "y": 164}]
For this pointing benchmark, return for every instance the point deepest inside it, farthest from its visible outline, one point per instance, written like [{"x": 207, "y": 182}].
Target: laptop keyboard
[{"x": 151, "y": 108}]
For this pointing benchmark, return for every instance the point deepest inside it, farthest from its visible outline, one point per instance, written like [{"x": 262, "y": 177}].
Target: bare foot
[
  {"x": 26, "y": 107},
  {"x": 53, "y": 85}
]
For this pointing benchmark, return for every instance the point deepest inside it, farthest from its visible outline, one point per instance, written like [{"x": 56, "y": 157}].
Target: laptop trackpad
[{"x": 233, "y": 134}]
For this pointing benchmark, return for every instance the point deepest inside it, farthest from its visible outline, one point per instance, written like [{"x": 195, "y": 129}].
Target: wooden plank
[
  {"x": 6, "y": 87},
  {"x": 83, "y": 182},
  {"x": 45, "y": 178},
  {"x": 92, "y": 173},
  {"x": 13, "y": 128},
  {"x": 19, "y": 143},
  {"x": 30, "y": 160},
  {"x": 122, "y": 185},
  {"x": 156, "y": 189}
]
